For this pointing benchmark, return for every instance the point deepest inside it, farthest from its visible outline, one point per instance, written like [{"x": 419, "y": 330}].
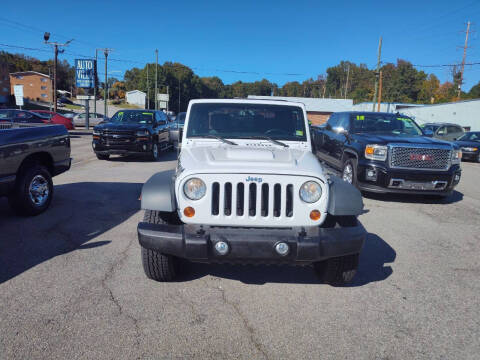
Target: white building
[
  {"x": 136, "y": 97},
  {"x": 318, "y": 109},
  {"x": 390, "y": 107},
  {"x": 464, "y": 113}
]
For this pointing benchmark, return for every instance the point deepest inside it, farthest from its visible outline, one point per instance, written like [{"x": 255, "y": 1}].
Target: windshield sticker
[
  {"x": 404, "y": 119},
  {"x": 147, "y": 114},
  {"x": 360, "y": 117},
  {"x": 299, "y": 133}
]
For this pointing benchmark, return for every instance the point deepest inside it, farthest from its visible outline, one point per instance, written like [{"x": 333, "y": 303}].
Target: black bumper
[
  {"x": 252, "y": 245},
  {"x": 136, "y": 148},
  {"x": 384, "y": 175}
]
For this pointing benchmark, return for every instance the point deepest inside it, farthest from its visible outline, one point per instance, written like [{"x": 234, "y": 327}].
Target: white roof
[
  {"x": 29, "y": 73},
  {"x": 314, "y": 104},
  {"x": 247, "y": 101},
  {"x": 135, "y": 91}
]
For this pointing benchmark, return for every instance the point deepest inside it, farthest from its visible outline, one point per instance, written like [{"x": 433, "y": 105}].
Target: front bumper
[
  {"x": 418, "y": 181},
  {"x": 470, "y": 155},
  {"x": 134, "y": 148},
  {"x": 252, "y": 245}
]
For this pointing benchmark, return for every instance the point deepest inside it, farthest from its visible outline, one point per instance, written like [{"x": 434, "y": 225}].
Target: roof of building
[
  {"x": 29, "y": 73},
  {"x": 313, "y": 104},
  {"x": 136, "y": 91},
  {"x": 450, "y": 103}
]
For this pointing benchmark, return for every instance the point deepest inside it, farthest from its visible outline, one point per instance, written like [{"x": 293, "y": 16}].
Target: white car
[
  {"x": 94, "y": 119},
  {"x": 248, "y": 189}
]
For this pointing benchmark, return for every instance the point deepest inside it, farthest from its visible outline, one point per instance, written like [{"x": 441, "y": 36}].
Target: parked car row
[{"x": 35, "y": 117}]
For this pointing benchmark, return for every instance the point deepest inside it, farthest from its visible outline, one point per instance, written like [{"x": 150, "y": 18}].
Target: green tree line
[{"x": 402, "y": 82}]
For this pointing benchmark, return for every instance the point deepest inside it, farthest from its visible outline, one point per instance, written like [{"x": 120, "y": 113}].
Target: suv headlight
[
  {"x": 96, "y": 132},
  {"x": 456, "y": 156},
  {"x": 194, "y": 189},
  {"x": 310, "y": 192},
  {"x": 376, "y": 152},
  {"x": 142, "y": 133}
]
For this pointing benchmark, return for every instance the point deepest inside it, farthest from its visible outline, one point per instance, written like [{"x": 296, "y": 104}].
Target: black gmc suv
[
  {"x": 385, "y": 152},
  {"x": 132, "y": 132}
]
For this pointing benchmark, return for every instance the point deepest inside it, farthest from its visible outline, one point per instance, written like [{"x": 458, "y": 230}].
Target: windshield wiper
[
  {"x": 269, "y": 139},
  {"x": 210, "y": 136}
]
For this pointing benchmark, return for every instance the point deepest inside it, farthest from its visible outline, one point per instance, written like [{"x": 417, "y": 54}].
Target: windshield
[
  {"x": 385, "y": 124},
  {"x": 431, "y": 128},
  {"x": 139, "y": 117},
  {"x": 470, "y": 136},
  {"x": 236, "y": 121},
  {"x": 181, "y": 118}
]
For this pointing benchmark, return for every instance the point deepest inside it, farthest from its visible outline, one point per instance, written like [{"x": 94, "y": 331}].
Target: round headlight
[
  {"x": 194, "y": 189},
  {"x": 310, "y": 192}
]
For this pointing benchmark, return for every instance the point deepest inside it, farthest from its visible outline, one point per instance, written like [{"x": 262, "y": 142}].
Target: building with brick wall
[
  {"x": 318, "y": 109},
  {"x": 36, "y": 86},
  {"x": 4, "y": 84}
]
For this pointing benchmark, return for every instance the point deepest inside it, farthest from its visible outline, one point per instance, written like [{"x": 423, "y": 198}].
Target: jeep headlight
[
  {"x": 456, "y": 156},
  {"x": 376, "y": 152},
  {"x": 142, "y": 133},
  {"x": 310, "y": 192},
  {"x": 194, "y": 189}
]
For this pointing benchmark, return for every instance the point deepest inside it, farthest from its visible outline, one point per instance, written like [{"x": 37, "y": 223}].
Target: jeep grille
[
  {"x": 418, "y": 157},
  {"x": 239, "y": 199}
]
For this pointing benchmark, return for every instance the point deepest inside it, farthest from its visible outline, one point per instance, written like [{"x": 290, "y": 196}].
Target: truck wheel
[
  {"x": 102, "y": 156},
  {"x": 33, "y": 191},
  {"x": 154, "y": 151},
  {"x": 349, "y": 173},
  {"x": 158, "y": 266},
  {"x": 339, "y": 270}
]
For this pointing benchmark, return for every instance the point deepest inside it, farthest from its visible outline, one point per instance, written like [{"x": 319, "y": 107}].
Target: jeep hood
[{"x": 249, "y": 160}]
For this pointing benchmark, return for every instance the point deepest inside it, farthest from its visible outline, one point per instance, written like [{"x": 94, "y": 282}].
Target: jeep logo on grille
[
  {"x": 420, "y": 157},
  {"x": 254, "y": 178}
]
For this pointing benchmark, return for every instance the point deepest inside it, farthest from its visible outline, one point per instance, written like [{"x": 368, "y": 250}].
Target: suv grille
[
  {"x": 252, "y": 199},
  {"x": 406, "y": 157}
]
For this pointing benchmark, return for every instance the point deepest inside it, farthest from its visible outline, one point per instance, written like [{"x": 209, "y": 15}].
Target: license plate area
[{"x": 435, "y": 185}]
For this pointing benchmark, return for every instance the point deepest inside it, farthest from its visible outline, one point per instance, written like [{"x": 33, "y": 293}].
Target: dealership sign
[{"x": 85, "y": 73}]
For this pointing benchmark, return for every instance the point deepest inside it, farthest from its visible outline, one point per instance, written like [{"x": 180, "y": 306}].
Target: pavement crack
[{"x": 250, "y": 330}]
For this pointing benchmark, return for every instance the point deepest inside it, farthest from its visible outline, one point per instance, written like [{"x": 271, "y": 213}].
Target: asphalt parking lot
[{"x": 72, "y": 284}]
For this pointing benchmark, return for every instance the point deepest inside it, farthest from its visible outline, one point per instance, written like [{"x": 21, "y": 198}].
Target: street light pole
[
  {"x": 105, "y": 114},
  {"x": 156, "y": 78},
  {"x": 46, "y": 37},
  {"x": 95, "y": 86}
]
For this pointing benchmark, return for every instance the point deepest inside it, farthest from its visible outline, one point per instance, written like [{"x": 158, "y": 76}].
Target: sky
[{"x": 250, "y": 40}]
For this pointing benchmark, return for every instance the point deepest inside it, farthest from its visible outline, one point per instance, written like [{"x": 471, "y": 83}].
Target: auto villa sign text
[{"x": 85, "y": 73}]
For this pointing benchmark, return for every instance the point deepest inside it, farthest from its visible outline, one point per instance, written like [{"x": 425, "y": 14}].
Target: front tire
[
  {"x": 154, "y": 153},
  {"x": 158, "y": 266},
  {"x": 339, "y": 270},
  {"x": 33, "y": 191},
  {"x": 349, "y": 173}
]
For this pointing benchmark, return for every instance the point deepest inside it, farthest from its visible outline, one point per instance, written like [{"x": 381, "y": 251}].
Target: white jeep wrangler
[{"x": 248, "y": 189}]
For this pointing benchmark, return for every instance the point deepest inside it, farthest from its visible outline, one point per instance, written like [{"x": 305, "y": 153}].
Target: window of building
[
  {"x": 44, "y": 95},
  {"x": 43, "y": 80},
  {"x": 44, "y": 88}
]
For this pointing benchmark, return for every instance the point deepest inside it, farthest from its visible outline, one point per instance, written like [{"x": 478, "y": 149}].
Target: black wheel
[
  {"x": 102, "y": 156},
  {"x": 339, "y": 270},
  {"x": 158, "y": 266},
  {"x": 33, "y": 190},
  {"x": 154, "y": 153},
  {"x": 349, "y": 172}
]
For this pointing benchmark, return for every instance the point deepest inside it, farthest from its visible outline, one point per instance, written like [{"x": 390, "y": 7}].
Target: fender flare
[
  {"x": 344, "y": 199},
  {"x": 158, "y": 193}
]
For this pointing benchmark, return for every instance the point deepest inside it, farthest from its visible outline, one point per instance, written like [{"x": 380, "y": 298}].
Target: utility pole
[
  {"x": 168, "y": 95},
  {"x": 156, "y": 78},
  {"x": 346, "y": 83},
  {"x": 105, "y": 95},
  {"x": 51, "y": 85},
  {"x": 148, "y": 91},
  {"x": 178, "y": 96},
  {"x": 95, "y": 86},
  {"x": 380, "y": 93},
  {"x": 463, "y": 61},
  {"x": 377, "y": 73},
  {"x": 56, "y": 45}
]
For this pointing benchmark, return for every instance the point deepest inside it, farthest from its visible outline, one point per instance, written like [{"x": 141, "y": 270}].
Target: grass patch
[{"x": 73, "y": 107}]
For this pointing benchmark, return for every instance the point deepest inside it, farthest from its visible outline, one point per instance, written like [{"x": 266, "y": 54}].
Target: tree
[
  {"x": 474, "y": 92},
  {"x": 429, "y": 88}
]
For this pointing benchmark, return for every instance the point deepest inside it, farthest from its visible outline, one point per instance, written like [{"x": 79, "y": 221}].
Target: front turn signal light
[
  {"x": 315, "y": 215},
  {"x": 189, "y": 211}
]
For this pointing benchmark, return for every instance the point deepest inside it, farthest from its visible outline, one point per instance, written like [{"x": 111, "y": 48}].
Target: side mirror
[{"x": 341, "y": 130}]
